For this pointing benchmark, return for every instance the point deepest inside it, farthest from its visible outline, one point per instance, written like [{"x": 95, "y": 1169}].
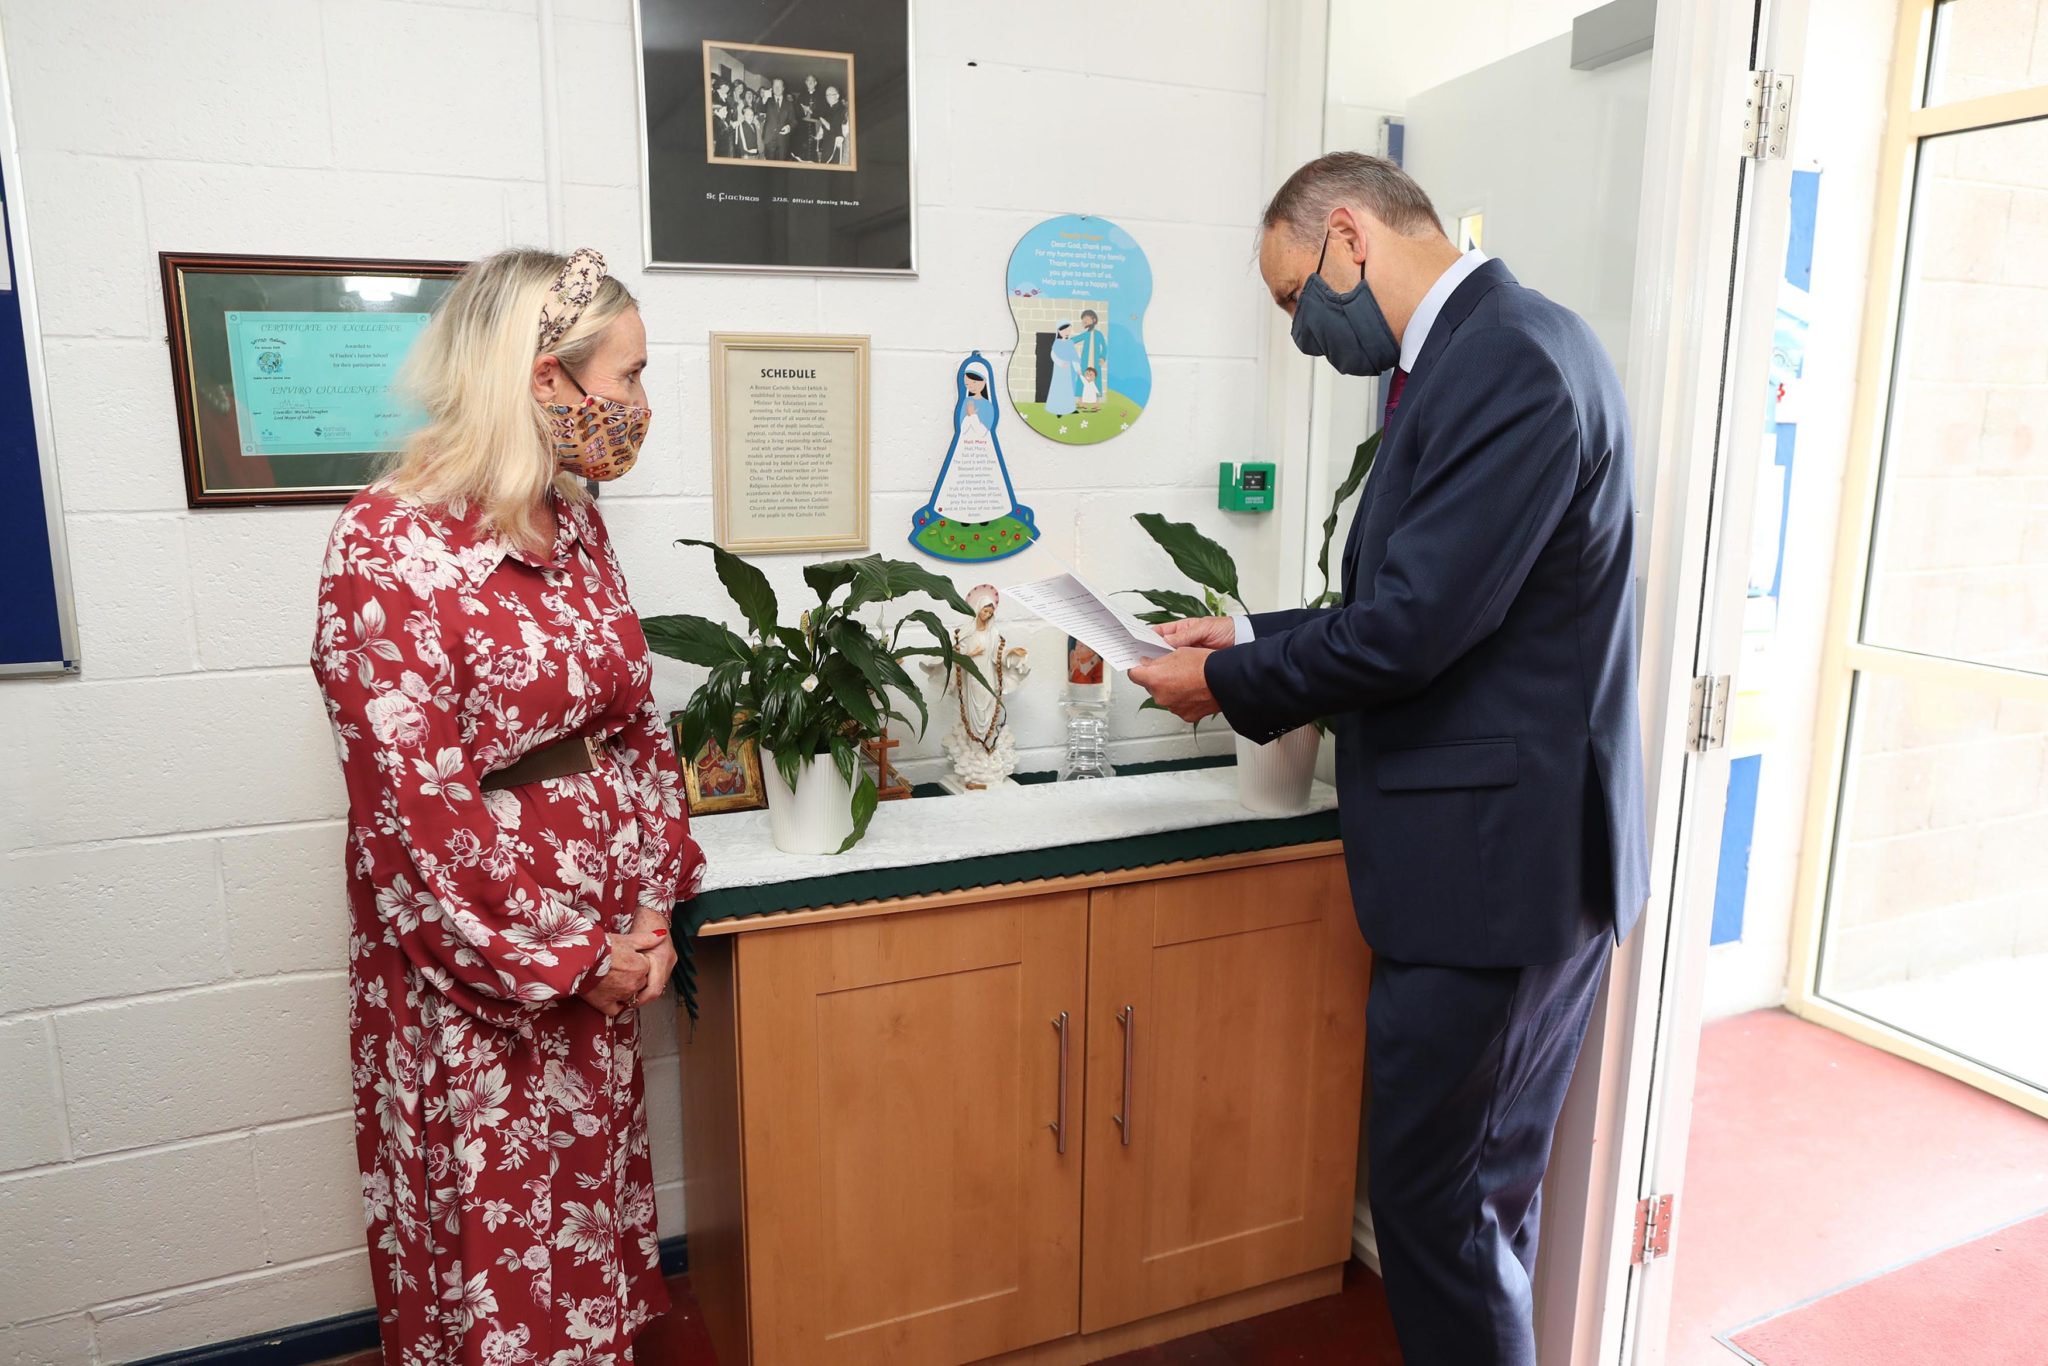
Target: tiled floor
[{"x": 1816, "y": 1161}]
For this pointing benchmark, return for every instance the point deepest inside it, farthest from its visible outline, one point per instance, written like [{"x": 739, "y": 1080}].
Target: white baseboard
[{"x": 1364, "y": 1245}]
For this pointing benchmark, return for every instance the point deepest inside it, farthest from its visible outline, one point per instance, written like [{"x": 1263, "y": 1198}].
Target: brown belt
[{"x": 577, "y": 754}]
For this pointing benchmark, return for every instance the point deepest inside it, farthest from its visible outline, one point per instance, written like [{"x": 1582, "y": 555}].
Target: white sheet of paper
[{"x": 1121, "y": 639}]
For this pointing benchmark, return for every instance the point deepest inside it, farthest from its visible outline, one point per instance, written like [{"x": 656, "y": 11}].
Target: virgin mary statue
[{"x": 973, "y": 513}]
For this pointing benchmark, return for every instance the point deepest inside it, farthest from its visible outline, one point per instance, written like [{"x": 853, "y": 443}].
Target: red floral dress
[{"x": 500, "y": 1121}]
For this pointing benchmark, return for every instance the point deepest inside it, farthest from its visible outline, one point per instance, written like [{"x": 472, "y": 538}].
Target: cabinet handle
[
  {"x": 1059, "y": 1126},
  {"x": 1128, "y": 1018}
]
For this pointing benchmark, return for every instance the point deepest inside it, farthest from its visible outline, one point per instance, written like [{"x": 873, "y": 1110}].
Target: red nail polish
[{"x": 659, "y": 933}]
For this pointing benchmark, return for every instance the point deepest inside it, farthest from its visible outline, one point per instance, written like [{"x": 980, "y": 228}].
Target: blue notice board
[{"x": 35, "y": 633}]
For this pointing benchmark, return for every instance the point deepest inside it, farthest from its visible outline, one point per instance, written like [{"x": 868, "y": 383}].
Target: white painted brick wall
[{"x": 177, "y": 1165}]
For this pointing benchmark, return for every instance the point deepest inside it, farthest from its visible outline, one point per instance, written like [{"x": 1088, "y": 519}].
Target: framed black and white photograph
[
  {"x": 777, "y": 135},
  {"x": 782, "y": 105}
]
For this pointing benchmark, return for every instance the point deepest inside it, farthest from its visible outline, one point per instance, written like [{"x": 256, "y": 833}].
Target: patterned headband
[{"x": 569, "y": 295}]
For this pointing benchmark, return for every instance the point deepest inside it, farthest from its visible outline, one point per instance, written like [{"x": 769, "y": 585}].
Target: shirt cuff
[{"x": 1244, "y": 627}]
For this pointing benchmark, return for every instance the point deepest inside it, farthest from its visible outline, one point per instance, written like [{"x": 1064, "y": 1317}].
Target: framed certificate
[
  {"x": 284, "y": 370},
  {"x": 789, "y": 442},
  {"x": 777, "y": 135}
]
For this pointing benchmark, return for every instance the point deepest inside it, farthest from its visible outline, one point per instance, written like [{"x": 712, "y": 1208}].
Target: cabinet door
[
  {"x": 908, "y": 1201},
  {"x": 1226, "y": 1051}
]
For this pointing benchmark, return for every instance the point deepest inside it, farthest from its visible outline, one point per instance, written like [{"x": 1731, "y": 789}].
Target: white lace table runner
[{"x": 740, "y": 853}]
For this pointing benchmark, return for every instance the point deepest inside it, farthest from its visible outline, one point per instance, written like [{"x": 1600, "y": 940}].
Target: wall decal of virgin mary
[{"x": 973, "y": 513}]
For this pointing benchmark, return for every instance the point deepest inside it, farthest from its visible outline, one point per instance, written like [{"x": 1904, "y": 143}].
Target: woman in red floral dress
[{"x": 516, "y": 835}]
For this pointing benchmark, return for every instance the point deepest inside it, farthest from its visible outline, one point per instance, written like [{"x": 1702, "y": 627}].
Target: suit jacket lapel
[{"x": 1456, "y": 309}]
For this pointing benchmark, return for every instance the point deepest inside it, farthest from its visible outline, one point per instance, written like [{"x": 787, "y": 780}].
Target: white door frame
[
  {"x": 1710, "y": 260},
  {"x": 1684, "y": 308}
]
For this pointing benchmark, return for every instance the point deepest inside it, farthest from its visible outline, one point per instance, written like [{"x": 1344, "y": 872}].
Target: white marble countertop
[{"x": 739, "y": 853}]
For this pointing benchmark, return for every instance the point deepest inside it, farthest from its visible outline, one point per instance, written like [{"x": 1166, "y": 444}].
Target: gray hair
[{"x": 1303, "y": 204}]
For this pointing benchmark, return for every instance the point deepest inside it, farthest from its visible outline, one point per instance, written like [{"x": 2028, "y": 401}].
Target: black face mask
[{"x": 1346, "y": 329}]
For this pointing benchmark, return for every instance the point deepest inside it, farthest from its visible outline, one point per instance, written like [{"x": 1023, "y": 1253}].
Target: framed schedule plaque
[
  {"x": 789, "y": 442},
  {"x": 285, "y": 367}
]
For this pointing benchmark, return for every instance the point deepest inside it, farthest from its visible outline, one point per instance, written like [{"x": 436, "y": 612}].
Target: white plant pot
[
  {"x": 1274, "y": 779},
  {"x": 818, "y": 816}
]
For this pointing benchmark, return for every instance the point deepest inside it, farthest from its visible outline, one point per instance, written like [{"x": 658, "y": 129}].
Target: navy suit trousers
[{"x": 1468, "y": 1073}]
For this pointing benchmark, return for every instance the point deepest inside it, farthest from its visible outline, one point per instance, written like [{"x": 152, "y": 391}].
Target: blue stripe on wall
[
  {"x": 1731, "y": 884},
  {"x": 1799, "y": 242}
]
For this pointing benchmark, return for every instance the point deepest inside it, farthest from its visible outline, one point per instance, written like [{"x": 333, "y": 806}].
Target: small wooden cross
[{"x": 889, "y": 784}]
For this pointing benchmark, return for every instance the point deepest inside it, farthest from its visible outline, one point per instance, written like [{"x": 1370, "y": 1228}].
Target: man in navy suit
[{"x": 1481, "y": 676}]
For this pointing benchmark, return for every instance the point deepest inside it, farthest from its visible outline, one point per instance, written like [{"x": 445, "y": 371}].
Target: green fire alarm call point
[{"x": 1245, "y": 488}]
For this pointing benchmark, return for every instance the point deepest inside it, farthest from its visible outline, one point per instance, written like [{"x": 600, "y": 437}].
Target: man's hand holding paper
[
  {"x": 1088, "y": 617},
  {"x": 1179, "y": 682}
]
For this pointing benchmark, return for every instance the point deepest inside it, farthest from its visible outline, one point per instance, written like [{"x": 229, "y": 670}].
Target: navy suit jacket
[{"x": 1481, "y": 672}]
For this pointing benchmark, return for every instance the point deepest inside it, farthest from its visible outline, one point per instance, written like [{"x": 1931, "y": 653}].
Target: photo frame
[
  {"x": 777, "y": 135},
  {"x": 716, "y": 781},
  {"x": 825, "y": 136},
  {"x": 789, "y": 442},
  {"x": 282, "y": 370}
]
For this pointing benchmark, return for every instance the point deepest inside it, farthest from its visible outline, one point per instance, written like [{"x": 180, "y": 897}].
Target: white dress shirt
[{"x": 1412, "y": 342}]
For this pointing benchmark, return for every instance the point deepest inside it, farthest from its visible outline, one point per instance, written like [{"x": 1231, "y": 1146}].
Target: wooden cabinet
[
  {"x": 1222, "y": 1155},
  {"x": 892, "y": 1113}
]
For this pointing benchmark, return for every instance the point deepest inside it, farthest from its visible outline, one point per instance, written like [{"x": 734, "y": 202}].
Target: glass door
[{"x": 1925, "y": 912}]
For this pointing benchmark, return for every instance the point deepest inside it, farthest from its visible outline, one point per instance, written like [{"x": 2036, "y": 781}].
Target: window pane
[
  {"x": 1937, "y": 916},
  {"x": 1987, "y": 47},
  {"x": 1959, "y": 565}
]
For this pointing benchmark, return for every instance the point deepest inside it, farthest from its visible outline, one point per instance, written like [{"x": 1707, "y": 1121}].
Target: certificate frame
[
  {"x": 224, "y": 466},
  {"x": 733, "y": 356},
  {"x": 764, "y": 210}
]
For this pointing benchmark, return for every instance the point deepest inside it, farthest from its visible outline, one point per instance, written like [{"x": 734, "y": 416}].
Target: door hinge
[
  {"x": 1706, "y": 716},
  {"x": 1653, "y": 1229},
  {"x": 1767, "y": 115}
]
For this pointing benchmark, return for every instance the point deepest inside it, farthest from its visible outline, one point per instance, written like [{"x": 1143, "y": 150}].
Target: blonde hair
[{"x": 485, "y": 443}]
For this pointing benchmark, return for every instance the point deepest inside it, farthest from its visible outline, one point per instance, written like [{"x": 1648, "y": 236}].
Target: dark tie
[{"x": 1394, "y": 388}]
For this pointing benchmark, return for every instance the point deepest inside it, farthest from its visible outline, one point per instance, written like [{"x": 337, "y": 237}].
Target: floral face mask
[{"x": 598, "y": 438}]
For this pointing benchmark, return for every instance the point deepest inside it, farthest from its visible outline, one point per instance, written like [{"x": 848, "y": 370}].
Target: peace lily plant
[
  {"x": 809, "y": 694},
  {"x": 1273, "y": 776}
]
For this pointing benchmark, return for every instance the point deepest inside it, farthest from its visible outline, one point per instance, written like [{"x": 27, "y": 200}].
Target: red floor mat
[{"x": 1978, "y": 1304}]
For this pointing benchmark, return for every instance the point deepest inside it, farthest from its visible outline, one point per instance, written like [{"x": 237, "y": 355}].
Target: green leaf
[
  {"x": 1194, "y": 554},
  {"x": 747, "y": 586},
  {"x": 793, "y": 641},
  {"x": 846, "y": 756},
  {"x": 1176, "y": 606},
  {"x": 1361, "y": 465},
  {"x": 928, "y": 619},
  {"x": 942, "y": 648},
  {"x": 1160, "y": 618},
  {"x": 1150, "y": 705},
  {"x": 695, "y": 731},
  {"x": 827, "y": 579},
  {"x": 869, "y": 576},
  {"x": 875, "y": 664},
  {"x": 694, "y": 640},
  {"x": 865, "y": 800},
  {"x": 905, "y": 577},
  {"x": 951, "y": 656},
  {"x": 850, "y": 687}
]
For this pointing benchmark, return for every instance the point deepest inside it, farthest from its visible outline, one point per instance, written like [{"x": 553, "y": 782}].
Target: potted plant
[
  {"x": 809, "y": 694},
  {"x": 1272, "y": 777}
]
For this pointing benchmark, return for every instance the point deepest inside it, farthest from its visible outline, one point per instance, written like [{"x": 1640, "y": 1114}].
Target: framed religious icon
[
  {"x": 284, "y": 370},
  {"x": 777, "y": 135},
  {"x": 789, "y": 442},
  {"x": 716, "y": 781}
]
